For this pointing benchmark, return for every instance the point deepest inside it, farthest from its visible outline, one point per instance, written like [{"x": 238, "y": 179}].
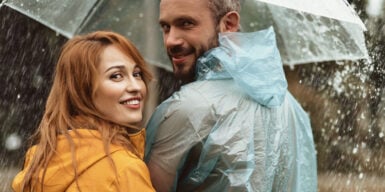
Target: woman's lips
[{"x": 132, "y": 103}]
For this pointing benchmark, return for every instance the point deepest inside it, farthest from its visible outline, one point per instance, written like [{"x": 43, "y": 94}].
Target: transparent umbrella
[
  {"x": 135, "y": 19},
  {"x": 307, "y": 30}
]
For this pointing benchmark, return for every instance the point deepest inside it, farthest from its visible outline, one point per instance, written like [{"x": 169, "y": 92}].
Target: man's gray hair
[{"x": 219, "y": 8}]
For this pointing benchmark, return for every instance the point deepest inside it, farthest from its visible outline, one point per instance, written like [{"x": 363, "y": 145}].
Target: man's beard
[{"x": 190, "y": 75}]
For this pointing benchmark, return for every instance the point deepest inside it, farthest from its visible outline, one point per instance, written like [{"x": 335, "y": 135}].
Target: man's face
[{"x": 189, "y": 30}]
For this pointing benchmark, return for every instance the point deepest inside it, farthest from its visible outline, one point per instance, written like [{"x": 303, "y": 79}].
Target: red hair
[{"x": 69, "y": 105}]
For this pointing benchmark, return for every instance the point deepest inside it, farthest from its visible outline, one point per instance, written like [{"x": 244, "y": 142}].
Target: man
[{"x": 232, "y": 126}]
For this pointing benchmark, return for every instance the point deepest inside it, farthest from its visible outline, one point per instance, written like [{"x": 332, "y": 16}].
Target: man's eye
[
  {"x": 165, "y": 28},
  {"x": 187, "y": 23}
]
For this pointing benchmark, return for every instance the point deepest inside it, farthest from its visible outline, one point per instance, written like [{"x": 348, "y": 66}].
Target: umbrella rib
[
  {"x": 89, "y": 16},
  {"x": 2, "y": 3}
]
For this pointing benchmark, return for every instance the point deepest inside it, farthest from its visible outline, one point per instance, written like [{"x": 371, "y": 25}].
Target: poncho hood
[{"x": 252, "y": 60}]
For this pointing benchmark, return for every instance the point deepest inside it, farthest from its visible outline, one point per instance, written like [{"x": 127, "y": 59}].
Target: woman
[{"x": 89, "y": 138}]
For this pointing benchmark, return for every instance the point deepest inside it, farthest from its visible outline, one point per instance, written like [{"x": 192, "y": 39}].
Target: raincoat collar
[{"x": 252, "y": 60}]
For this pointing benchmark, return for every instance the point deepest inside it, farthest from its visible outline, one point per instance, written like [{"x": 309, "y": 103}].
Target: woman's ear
[{"x": 230, "y": 22}]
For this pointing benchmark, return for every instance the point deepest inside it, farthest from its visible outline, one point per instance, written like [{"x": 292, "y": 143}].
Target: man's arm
[
  {"x": 162, "y": 153},
  {"x": 161, "y": 179},
  {"x": 176, "y": 126}
]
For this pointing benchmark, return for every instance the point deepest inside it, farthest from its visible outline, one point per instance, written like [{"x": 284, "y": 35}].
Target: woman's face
[{"x": 121, "y": 90}]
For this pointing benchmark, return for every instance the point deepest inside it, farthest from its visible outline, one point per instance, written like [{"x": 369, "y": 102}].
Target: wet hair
[
  {"x": 70, "y": 105},
  {"x": 219, "y": 8}
]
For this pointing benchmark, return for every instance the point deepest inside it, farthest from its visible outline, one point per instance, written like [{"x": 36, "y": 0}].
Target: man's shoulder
[
  {"x": 195, "y": 97},
  {"x": 191, "y": 98},
  {"x": 206, "y": 89}
]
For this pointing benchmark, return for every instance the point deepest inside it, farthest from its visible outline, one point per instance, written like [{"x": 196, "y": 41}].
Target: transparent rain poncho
[{"x": 236, "y": 128}]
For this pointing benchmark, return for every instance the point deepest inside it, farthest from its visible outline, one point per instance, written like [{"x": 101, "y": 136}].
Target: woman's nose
[{"x": 133, "y": 84}]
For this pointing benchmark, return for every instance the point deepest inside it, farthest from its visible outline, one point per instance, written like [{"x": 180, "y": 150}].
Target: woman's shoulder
[
  {"x": 121, "y": 153},
  {"x": 132, "y": 172}
]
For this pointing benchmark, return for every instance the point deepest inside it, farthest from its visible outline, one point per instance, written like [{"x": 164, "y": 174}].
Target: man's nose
[{"x": 173, "y": 38}]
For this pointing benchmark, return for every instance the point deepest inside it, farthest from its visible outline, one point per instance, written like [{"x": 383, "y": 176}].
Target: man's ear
[{"x": 230, "y": 22}]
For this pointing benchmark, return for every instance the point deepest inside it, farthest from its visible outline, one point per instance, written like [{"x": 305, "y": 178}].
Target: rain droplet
[
  {"x": 355, "y": 149},
  {"x": 361, "y": 176},
  {"x": 18, "y": 96},
  {"x": 340, "y": 62},
  {"x": 37, "y": 81},
  {"x": 381, "y": 135},
  {"x": 13, "y": 142}
]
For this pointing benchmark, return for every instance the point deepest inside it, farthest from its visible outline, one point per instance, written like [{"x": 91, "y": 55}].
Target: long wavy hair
[{"x": 70, "y": 106}]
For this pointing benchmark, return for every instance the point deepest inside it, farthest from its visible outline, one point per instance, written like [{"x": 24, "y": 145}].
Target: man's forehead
[
  {"x": 189, "y": 4},
  {"x": 183, "y": 8}
]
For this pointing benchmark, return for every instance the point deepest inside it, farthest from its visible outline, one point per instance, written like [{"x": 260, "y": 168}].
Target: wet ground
[{"x": 329, "y": 182}]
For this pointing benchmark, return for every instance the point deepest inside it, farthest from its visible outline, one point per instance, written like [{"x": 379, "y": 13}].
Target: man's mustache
[{"x": 178, "y": 50}]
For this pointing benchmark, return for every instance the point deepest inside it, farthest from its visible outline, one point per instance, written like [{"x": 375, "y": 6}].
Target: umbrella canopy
[
  {"x": 307, "y": 30},
  {"x": 135, "y": 19},
  {"x": 336, "y": 9}
]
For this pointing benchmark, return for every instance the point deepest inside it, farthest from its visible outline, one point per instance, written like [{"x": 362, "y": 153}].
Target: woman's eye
[
  {"x": 138, "y": 74},
  {"x": 116, "y": 76}
]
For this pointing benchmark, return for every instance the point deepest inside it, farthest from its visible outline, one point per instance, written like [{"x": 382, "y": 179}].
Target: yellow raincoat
[{"x": 94, "y": 169}]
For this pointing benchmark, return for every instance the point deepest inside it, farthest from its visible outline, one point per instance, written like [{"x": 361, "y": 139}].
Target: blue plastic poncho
[{"x": 236, "y": 128}]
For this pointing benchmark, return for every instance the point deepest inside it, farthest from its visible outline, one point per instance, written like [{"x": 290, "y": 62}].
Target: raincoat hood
[{"x": 252, "y": 60}]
